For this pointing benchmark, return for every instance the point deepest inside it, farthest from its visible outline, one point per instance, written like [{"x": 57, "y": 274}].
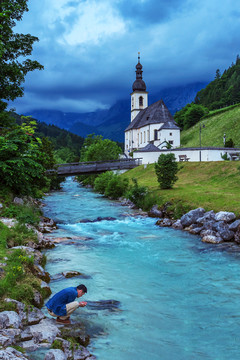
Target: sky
[{"x": 89, "y": 48}]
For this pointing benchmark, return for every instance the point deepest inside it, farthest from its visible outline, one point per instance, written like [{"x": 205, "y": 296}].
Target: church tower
[{"x": 139, "y": 96}]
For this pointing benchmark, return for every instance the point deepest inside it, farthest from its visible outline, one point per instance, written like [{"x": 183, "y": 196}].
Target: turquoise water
[{"x": 180, "y": 298}]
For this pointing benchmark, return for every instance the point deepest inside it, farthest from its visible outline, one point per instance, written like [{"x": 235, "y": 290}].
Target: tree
[
  {"x": 193, "y": 114},
  {"x": 14, "y": 48},
  {"x": 166, "y": 169},
  {"x": 218, "y": 74},
  {"x": 96, "y": 149}
]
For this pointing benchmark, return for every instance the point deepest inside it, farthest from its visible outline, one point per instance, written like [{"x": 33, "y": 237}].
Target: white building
[{"x": 149, "y": 124}]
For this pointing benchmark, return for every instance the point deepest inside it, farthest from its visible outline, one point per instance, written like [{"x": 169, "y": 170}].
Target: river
[{"x": 179, "y": 298}]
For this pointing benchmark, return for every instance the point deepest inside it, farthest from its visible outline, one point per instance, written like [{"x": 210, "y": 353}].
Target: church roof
[
  {"x": 149, "y": 148},
  {"x": 154, "y": 114},
  {"x": 169, "y": 125}
]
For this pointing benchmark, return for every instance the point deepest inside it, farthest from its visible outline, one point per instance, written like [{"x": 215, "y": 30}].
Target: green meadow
[{"x": 211, "y": 185}]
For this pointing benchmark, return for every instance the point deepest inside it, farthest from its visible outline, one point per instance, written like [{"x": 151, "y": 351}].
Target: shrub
[
  {"x": 116, "y": 187},
  {"x": 137, "y": 193},
  {"x": 25, "y": 214},
  {"x": 101, "y": 182},
  {"x": 229, "y": 143},
  {"x": 20, "y": 235},
  {"x": 166, "y": 169},
  {"x": 225, "y": 156}
]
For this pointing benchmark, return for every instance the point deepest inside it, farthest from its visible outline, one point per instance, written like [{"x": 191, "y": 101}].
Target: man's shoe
[{"x": 60, "y": 321}]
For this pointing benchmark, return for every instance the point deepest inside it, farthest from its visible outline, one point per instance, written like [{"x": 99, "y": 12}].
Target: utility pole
[{"x": 201, "y": 126}]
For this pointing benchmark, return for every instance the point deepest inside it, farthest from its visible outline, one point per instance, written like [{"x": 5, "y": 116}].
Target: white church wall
[
  {"x": 191, "y": 154},
  {"x": 170, "y": 135}
]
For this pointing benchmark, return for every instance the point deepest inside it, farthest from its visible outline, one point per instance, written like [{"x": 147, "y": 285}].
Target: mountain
[
  {"x": 111, "y": 123},
  {"x": 66, "y": 120}
]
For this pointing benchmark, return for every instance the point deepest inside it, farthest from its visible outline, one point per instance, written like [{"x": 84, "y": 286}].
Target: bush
[
  {"x": 20, "y": 235},
  {"x": 229, "y": 143},
  {"x": 116, "y": 187},
  {"x": 166, "y": 169},
  {"x": 137, "y": 193},
  {"x": 22, "y": 213},
  {"x": 101, "y": 182}
]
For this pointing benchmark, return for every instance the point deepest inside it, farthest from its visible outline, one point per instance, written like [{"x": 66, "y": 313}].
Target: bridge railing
[{"x": 137, "y": 161}]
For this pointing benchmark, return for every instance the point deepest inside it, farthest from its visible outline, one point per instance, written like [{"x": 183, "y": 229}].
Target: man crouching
[{"x": 62, "y": 304}]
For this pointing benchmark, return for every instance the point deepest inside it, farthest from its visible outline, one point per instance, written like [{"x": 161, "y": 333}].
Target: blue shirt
[{"x": 57, "y": 304}]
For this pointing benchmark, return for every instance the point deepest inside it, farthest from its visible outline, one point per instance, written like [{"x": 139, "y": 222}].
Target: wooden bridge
[{"x": 95, "y": 167}]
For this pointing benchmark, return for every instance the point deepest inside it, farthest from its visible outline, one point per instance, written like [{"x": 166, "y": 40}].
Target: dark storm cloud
[
  {"x": 151, "y": 11},
  {"x": 89, "y": 48}
]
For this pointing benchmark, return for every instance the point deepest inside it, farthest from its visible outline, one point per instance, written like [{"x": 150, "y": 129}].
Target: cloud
[{"x": 89, "y": 47}]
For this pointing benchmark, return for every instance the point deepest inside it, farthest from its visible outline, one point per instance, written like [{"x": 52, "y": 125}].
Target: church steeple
[
  {"x": 139, "y": 96},
  {"x": 139, "y": 84}
]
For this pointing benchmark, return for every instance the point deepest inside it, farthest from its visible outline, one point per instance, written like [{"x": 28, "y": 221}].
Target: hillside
[
  {"x": 223, "y": 90},
  {"x": 216, "y": 124},
  {"x": 211, "y": 185}
]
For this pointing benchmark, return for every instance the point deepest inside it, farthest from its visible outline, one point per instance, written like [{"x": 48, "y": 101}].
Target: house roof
[{"x": 154, "y": 114}]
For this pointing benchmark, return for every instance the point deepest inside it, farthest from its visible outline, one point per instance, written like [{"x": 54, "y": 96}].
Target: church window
[
  {"x": 148, "y": 135},
  {"x": 138, "y": 138},
  {"x": 170, "y": 134},
  {"x": 132, "y": 102},
  {"x": 140, "y": 101},
  {"x": 144, "y": 136},
  {"x": 155, "y": 134},
  {"x": 141, "y": 137},
  {"x": 170, "y": 142}
]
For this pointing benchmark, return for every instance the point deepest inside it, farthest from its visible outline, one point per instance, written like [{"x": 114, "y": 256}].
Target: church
[{"x": 152, "y": 128}]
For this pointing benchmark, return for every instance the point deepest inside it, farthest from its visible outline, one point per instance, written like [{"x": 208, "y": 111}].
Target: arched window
[
  {"x": 132, "y": 101},
  {"x": 140, "y": 101}
]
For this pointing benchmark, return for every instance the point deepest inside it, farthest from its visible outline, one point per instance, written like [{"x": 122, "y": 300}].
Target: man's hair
[{"x": 82, "y": 287}]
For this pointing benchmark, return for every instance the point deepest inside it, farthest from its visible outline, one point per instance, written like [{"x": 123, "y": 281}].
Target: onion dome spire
[{"x": 139, "y": 84}]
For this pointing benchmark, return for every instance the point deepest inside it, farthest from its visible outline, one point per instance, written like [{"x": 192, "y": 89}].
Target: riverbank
[{"x": 24, "y": 327}]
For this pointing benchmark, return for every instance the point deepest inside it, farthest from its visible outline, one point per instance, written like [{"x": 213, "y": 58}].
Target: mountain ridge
[{"x": 111, "y": 123}]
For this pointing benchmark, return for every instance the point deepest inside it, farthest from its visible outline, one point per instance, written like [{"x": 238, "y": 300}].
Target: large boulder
[
  {"x": 155, "y": 212},
  {"x": 18, "y": 201},
  {"x": 208, "y": 216},
  {"x": 177, "y": 225},
  {"x": 191, "y": 217},
  {"x": 223, "y": 230},
  {"x": 9, "y": 336},
  {"x": 237, "y": 236},
  {"x": 55, "y": 354},
  {"x": 12, "y": 354},
  {"x": 8, "y": 222},
  {"x": 235, "y": 225},
  {"x": 82, "y": 353},
  {"x": 45, "y": 331},
  {"x": 211, "y": 239},
  {"x": 34, "y": 315},
  {"x": 164, "y": 222},
  {"x": 225, "y": 216},
  {"x": 9, "y": 319}
]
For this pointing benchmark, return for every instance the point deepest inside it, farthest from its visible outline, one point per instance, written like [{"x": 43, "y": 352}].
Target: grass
[
  {"x": 220, "y": 122},
  {"x": 211, "y": 185},
  {"x": 18, "y": 281}
]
